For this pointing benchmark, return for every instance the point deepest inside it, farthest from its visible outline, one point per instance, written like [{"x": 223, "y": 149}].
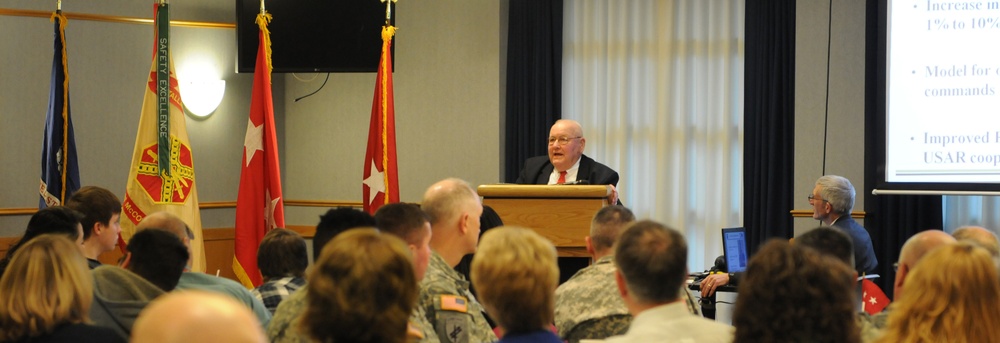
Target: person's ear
[
  {"x": 901, "y": 275},
  {"x": 126, "y": 261},
  {"x": 463, "y": 223},
  {"x": 413, "y": 250},
  {"x": 590, "y": 246},
  {"x": 622, "y": 287}
]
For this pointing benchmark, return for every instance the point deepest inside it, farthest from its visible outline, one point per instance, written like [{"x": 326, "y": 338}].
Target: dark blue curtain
[
  {"x": 534, "y": 79},
  {"x": 769, "y": 120}
]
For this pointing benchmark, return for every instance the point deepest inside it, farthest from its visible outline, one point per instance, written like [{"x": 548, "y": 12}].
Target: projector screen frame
[{"x": 876, "y": 106}]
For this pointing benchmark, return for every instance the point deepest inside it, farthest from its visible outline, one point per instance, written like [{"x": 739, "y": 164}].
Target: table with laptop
[{"x": 720, "y": 305}]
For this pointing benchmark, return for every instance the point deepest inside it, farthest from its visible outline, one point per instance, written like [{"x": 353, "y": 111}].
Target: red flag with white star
[
  {"x": 874, "y": 299},
  {"x": 259, "y": 206},
  {"x": 381, "y": 185}
]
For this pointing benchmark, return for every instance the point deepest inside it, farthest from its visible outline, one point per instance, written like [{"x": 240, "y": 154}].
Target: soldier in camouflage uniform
[
  {"x": 454, "y": 209},
  {"x": 410, "y": 223},
  {"x": 284, "y": 326},
  {"x": 588, "y": 305}
]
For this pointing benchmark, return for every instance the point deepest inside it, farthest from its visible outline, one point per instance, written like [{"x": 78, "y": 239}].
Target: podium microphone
[{"x": 577, "y": 182}]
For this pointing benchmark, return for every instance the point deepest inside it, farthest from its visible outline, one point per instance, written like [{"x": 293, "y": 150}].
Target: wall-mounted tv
[{"x": 313, "y": 35}]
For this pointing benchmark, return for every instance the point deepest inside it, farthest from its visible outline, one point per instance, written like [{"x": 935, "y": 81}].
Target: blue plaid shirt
[{"x": 271, "y": 293}]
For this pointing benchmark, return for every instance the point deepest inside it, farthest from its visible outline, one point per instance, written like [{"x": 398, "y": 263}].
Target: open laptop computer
[{"x": 734, "y": 246}]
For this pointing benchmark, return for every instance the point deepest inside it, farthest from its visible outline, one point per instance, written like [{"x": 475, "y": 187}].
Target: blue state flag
[{"x": 60, "y": 171}]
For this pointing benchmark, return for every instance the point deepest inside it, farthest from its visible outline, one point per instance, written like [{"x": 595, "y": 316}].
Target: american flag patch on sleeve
[{"x": 454, "y": 303}]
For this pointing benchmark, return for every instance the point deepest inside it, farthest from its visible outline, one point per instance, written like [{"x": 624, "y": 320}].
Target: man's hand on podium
[
  {"x": 712, "y": 282},
  {"x": 613, "y": 198}
]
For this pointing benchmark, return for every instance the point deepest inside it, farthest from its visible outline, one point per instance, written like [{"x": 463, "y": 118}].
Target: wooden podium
[{"x": 557, "y": 212}]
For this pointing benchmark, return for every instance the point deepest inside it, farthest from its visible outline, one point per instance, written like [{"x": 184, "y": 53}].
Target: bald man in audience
[
  {"x": 979, "y": 235},
  {"x": 453, "y": 208},
  {"x": 195, "y": 280},
  {"x": 197, "y": 317},
  {"x": 913, "y": 250}
]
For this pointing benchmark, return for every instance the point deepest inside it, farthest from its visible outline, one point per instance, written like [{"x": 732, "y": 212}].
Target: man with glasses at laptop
[{"x": 832, "y": 201}]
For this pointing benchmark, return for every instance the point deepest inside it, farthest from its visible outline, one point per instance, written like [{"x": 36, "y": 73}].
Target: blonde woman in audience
[
  {"x": 516, "y": 274},
  {"x": 46, "y": 293},
  {"x": 951, "y": 296},
  {"x": 361, "y": 289}
]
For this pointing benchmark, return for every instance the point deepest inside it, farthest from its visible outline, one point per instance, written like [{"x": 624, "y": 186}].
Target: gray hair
[{"x": 838, "y": 191}]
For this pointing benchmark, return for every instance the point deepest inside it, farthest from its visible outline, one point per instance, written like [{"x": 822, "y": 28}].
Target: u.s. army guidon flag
[{"x": 161, "y": 176}]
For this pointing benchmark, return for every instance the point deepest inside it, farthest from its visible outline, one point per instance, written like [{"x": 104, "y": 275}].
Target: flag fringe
[
  {"x": 65, "y": 103},
  {"x": 241, "y": 274},
  {"x": 387, "y": 32},
  {"x": 262, "y": 19}
]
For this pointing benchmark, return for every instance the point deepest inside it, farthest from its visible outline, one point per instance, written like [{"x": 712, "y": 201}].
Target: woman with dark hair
[
  {"x": 46, "y": 295},
  {"x": 50, "y": 220},
  {"x": 793, "y": 294}
]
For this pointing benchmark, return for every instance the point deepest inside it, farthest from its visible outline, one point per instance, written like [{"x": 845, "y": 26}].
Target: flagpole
[{"x": 388, "y": 10}]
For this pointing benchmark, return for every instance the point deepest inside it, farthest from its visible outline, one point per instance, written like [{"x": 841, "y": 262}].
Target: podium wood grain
[{"x": 561, "y": 214}]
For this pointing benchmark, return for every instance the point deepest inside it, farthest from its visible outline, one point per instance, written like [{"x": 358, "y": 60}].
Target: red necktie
[{"x": 562, "y": 178}]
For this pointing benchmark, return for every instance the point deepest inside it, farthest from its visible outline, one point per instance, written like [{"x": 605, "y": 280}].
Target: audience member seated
[
  {"x": 454, "y": 211},
  {"x": 951, "y": 296},
  {"x": 837, "y": 244},
  {"x": 832, "y": 201},
  {"x": 202, "y": 281},
  {"x": 588, "y": 305},
  {"x": 47, "y": 293},
  {"x": 792, "y": 294},
  {"x": 979, "y": 235},
  {"x": 282, "y": 259},
  {"x": 50, "y": 220},
  {"x": 285, "y": 326},
  {"x": 362, "y": 289},
  {"x": 410, "y": 223},
  {"x": 158, "y": 256},
  {"x": 101, "y": 211},
  {"x": 652, "y": 267},
  {"x": 516, "y": 271},
  {"x": 490, "y": 219},
  {"x": 119, "y": 296},
  {"x": 913, "y": 251},
  {"x": 197, "y": 317}
]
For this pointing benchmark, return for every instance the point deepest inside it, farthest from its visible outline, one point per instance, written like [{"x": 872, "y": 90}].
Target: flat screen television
[{"x": 313, "y": 35}]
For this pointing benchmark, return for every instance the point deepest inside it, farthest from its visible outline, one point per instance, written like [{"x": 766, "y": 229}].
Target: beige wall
[
  {"x": 447, "y": 103},
  {"x": 845, "y": 130},
  {"x": 447, "y": 100},
  {"x": 448, "y": 83}
]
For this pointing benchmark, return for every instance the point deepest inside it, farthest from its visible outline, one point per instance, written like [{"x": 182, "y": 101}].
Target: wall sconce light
[{"x": 202, "y": 97}]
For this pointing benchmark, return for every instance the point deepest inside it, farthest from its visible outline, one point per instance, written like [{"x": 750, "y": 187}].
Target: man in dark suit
[
  {"x": 832, "y": 200},
  {"x": 566, "y": 162}
]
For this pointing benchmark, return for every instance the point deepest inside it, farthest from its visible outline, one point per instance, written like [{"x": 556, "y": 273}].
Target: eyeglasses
[
  {"x": 813, "y": 197},
  {"x": 561, "y": 140}
]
